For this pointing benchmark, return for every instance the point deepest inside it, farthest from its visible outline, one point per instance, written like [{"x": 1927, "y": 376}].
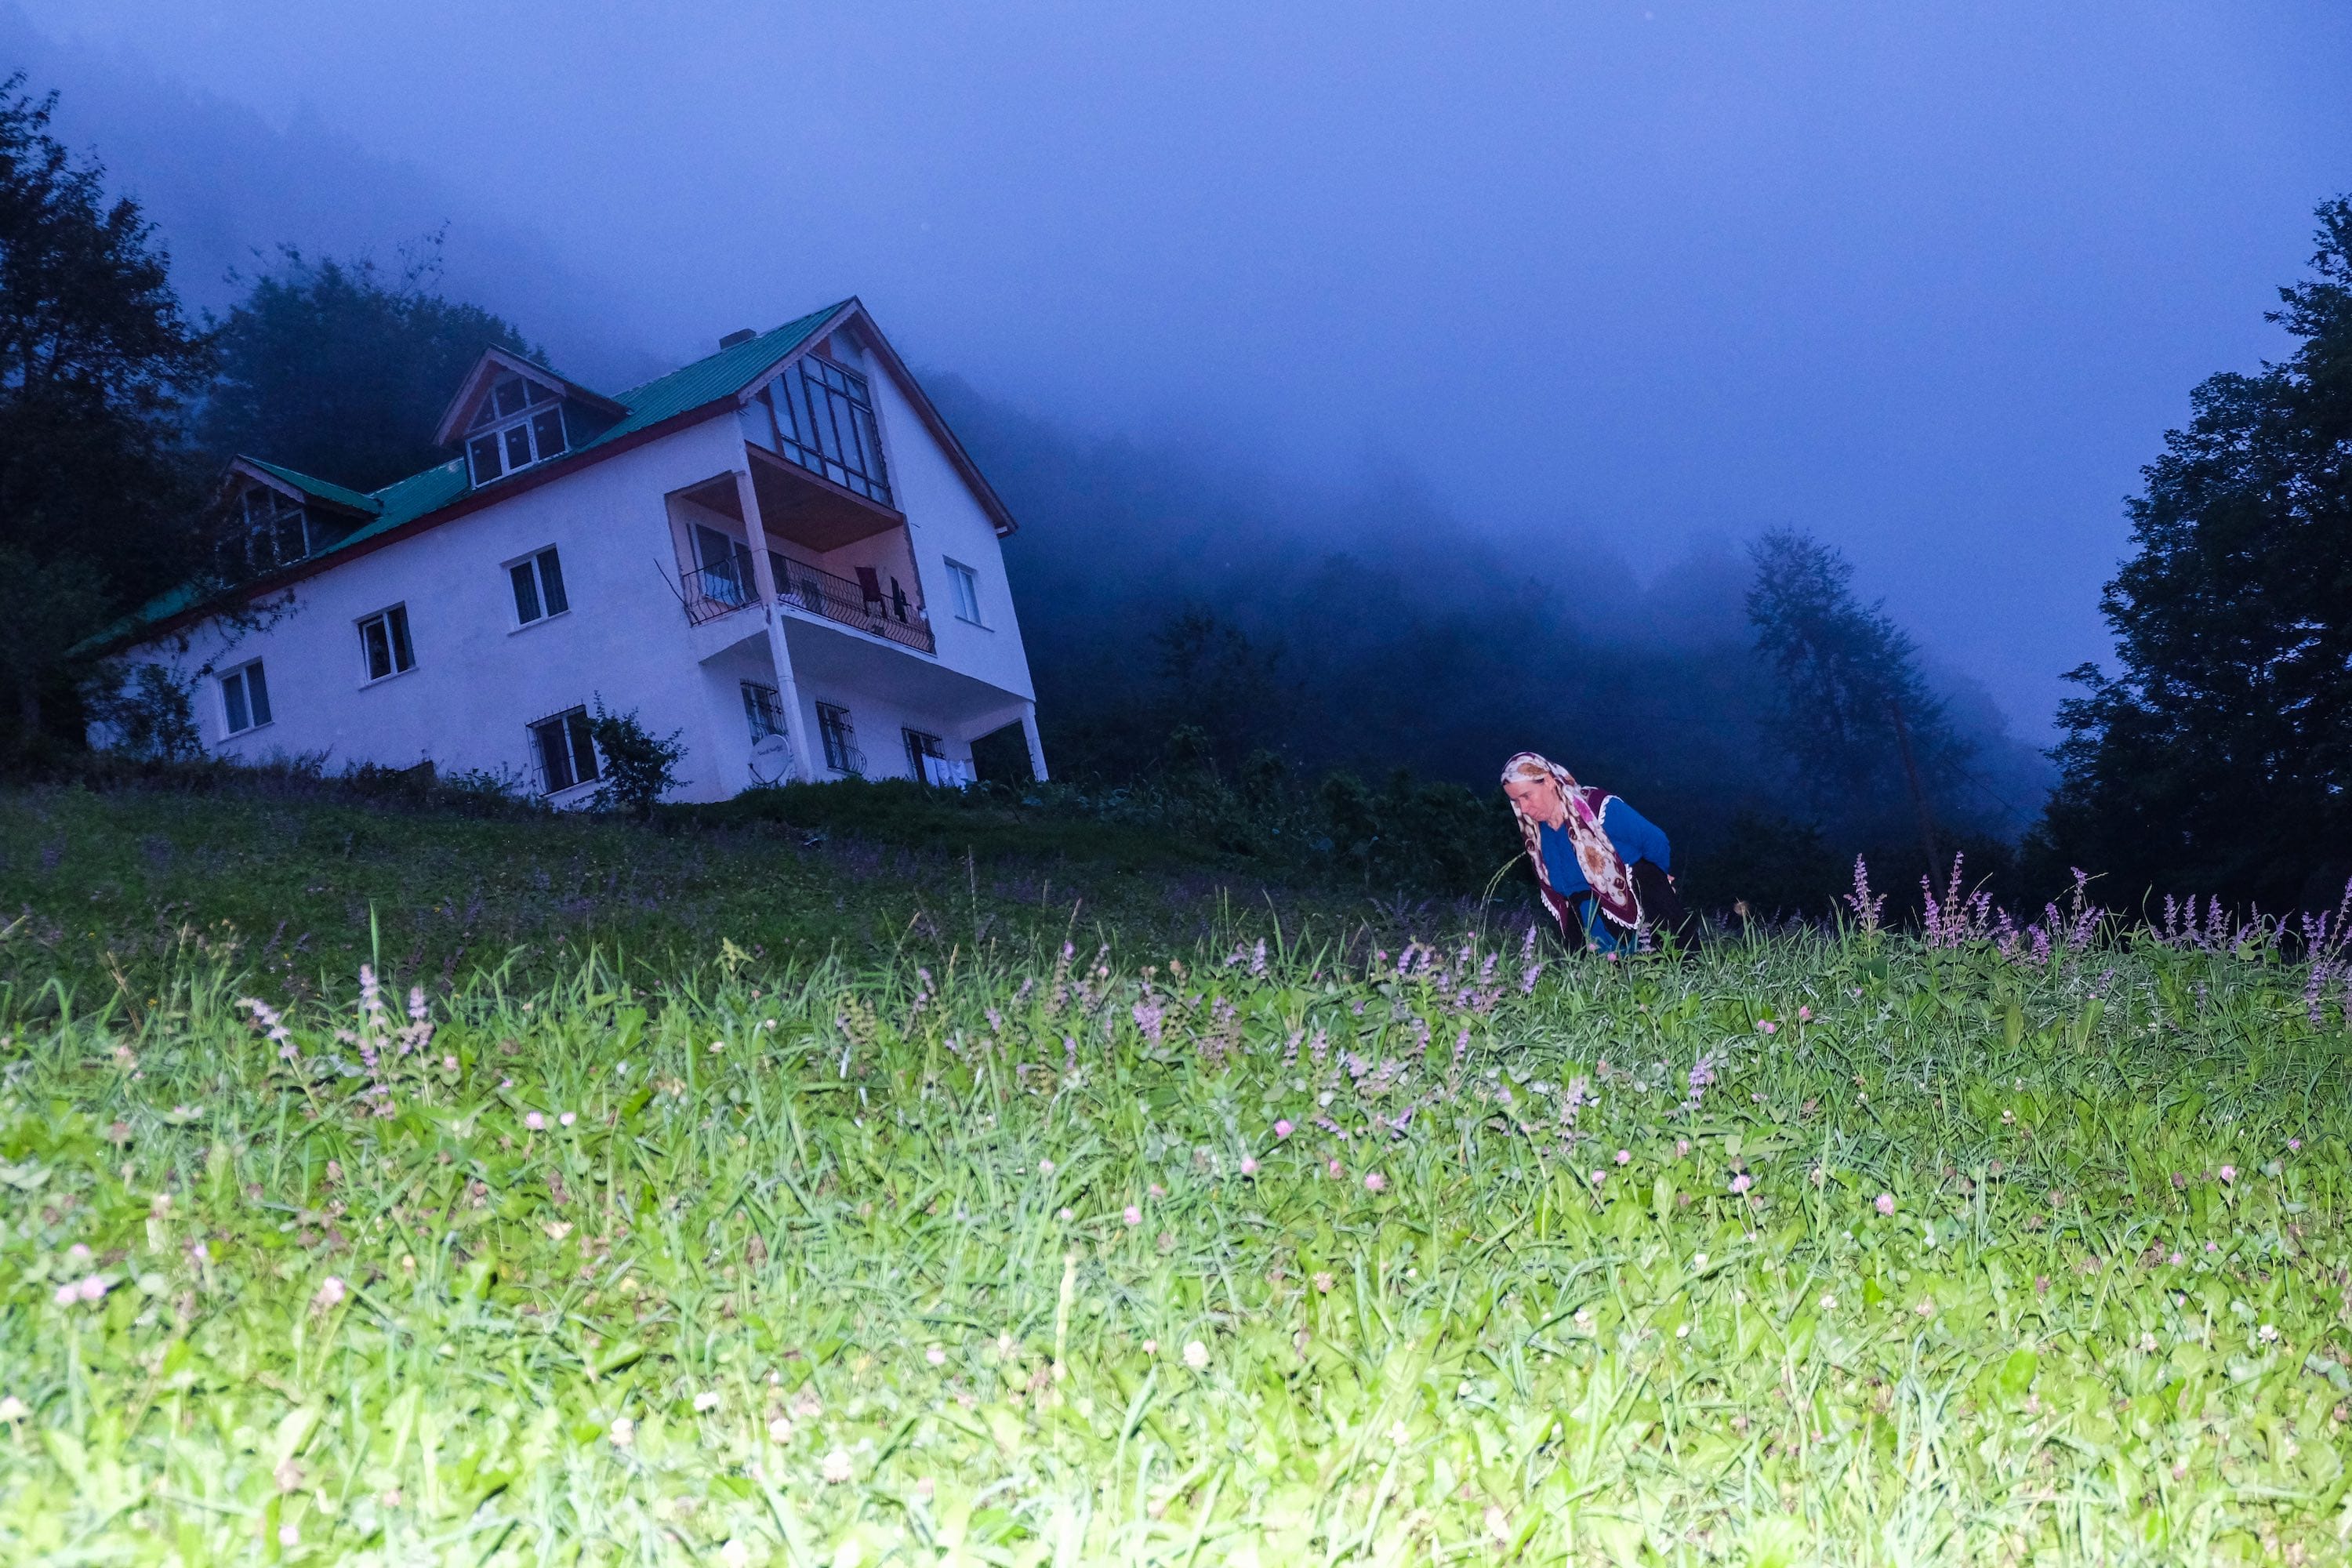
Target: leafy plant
[
  {"x": 147, "y": 713},
  {"x": 640, "y": 766}
]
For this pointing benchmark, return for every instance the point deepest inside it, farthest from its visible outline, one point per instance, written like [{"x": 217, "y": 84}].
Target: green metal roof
[
  {"x": 705, "y": 380},
  {"x": 405, "y": 500},
  {"x": 723, "y": 374},
  {"x": 323, "y": 489}
]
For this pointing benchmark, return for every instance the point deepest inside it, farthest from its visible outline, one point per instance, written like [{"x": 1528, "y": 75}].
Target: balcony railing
[
  {"x": 716, "y": 591},
  {"x": 804, "y": 587}
]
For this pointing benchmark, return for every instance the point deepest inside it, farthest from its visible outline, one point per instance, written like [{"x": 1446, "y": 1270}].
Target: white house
[{"x": 780, "y": 550}]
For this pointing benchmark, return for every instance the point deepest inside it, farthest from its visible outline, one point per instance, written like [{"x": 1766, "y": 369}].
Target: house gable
[
  {"x": 851, "y": 320},
  {"x": 511, "y": 414}
]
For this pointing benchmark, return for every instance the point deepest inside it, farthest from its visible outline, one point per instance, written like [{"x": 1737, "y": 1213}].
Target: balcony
[{"x": 729, "y": 586}]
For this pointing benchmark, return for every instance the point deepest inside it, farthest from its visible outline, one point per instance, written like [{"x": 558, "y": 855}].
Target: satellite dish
[{"x": 771, "y": 760}]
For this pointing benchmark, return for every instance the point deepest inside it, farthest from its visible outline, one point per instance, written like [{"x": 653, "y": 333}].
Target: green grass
[
  {"x": 802, "y": 1237},
  {"x": 290, "y": 876}
]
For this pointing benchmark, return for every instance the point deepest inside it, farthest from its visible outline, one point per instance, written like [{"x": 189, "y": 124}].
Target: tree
[
  {"x": 147, "y": 713},
  {"x": 342, "y": 372},
  {"x": 1854, "y": 711},
  {"x": 97, "y": 362},
  {"x": 2219, "y": 757},
  {"x": 1214, "y": 680}
]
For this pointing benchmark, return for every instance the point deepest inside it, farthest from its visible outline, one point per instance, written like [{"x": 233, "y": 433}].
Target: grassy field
[
  {"x": 300, "y": 880},
  {"x": 1162, "y": 1246}
]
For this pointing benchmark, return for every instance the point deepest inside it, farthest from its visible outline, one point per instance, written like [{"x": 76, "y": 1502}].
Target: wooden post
[{"x": 764, "y": 577}]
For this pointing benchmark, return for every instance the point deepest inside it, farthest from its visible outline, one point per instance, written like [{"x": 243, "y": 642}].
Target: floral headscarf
[{"x": 1604, "y": 868}]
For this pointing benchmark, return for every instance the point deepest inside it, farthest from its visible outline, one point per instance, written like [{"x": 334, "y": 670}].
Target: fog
[{"x": 1611, "y": 287}]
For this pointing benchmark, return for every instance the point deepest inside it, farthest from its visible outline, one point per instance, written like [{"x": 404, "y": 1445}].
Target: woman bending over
[{"x": 1605, "y": 870}]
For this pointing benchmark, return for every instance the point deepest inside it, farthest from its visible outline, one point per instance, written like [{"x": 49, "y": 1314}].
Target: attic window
[
  {"x": 267, "y": 528},
  {"x": 520, "y": 423}
]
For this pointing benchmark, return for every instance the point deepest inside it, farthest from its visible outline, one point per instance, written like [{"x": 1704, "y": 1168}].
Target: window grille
[
  {"x": 269, "y": 529},
  {"x": 564, "y": 750},
  {"x": 921, "y": 750},
  {"x": 764, "y": 707},
  {"x": 841, "y": 753}
]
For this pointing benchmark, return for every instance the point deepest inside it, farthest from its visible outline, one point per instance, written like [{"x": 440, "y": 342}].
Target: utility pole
[{"x": 1918, "y": 795}]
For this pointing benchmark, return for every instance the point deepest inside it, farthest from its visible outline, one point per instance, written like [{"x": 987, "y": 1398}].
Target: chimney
[{"x": 731, "y": 338}]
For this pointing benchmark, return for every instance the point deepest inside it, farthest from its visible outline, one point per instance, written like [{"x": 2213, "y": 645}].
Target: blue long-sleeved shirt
[{"x": 1634, "y": 836}]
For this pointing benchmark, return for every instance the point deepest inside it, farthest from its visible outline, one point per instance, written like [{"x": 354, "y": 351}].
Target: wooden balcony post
[{"x": 763, "y": 576}]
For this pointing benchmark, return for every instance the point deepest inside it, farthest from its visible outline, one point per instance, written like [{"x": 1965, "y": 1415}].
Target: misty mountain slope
[
  {"x": 226, "y": 189},
  {"x": 1404, "y": 637},
  {"x": 1401, "y": 636}
]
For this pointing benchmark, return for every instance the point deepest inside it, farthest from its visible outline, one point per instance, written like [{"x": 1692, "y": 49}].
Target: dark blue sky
[{"x": 1930, "y": 279}]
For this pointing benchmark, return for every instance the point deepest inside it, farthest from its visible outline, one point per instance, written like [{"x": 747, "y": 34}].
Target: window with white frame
[
  {"x": 841, "y": 753},
  {"x": 245, "y": 698},
  {"x": 964, "y": 583},
  {"x": 271, "y": 528},
  {"x": 520, "y": 422},
  {"x": 564, "y": 750},
  {"x": 384, "y": 645},
  {"x": 537, "y": 582},
  {"x": 763, "y": 709}
]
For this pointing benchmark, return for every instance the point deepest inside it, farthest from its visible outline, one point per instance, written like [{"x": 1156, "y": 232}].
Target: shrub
[{"x": 639, "y": 768}]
